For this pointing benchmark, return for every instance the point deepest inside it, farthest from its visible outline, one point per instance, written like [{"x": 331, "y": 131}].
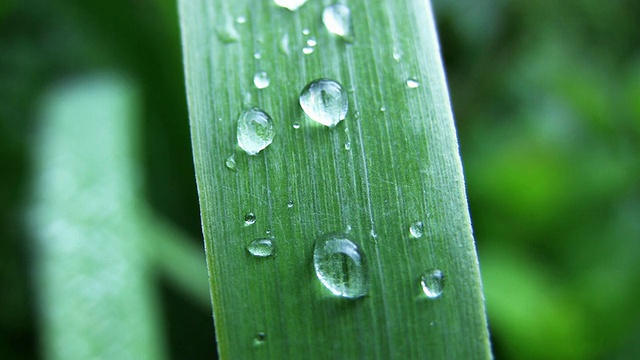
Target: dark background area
[{"x": 547, "y": 103}]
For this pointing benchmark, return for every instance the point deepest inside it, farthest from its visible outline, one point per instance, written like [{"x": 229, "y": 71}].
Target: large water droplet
[
  {"x": 249, "y": 219},
  {"x": 341, "y": 266},
  {"x": 230, "y": 162},
  {"x": 255, "y": 131},
  {"x": 337, "y": 19},
  {"x": 261, "y": 247},
  {"x": 261, "y": 79},
  {"x": 290, "y": 4},
  {"x": 324, "y": 101},
  {"x": 416, "y": 229},
  {"x": 432, "y": 283},
  {"x": 412, "y": 83}
]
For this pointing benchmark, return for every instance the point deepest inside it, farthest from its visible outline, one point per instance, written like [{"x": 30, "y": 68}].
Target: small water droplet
[
  {"x": 324, "y": 101},
  {"x": 432, "y": 283},
  {"x": 412, "y": 83},
  {"x": 257, "y": 55},
  {"x": 241, "y": 19},
  {"x": 341, "y": 266},
  {"x": 246, "y": 99},
  {"x": 416, "y": 229},
  {"x": 383, "y": 109},
  {"x": 255, "y": 131},
  {"x": 290, "y": 204},
  {"x": 305, "y": 31},
  {"x": 337, "y": 19},
  {"x": 261, "y": 248},
  {"x": 348, "y": 228},
  {"x": 227, "y": 33},
  {"x": 347, "y": 146},
  {"x": 373, "y": 233},
  {"x": 308, "y": 50},
  {"x": 296, "y": 125},
  {"x": 249, "y": 219},
  {"x": 261, "y": 79},
  {"x": 397, "y": 54},
  {"x": 268, "y": 231},
  {"x": 292, "y": 5},
  {"x": 230, "y": 162},
  {"x": 259, "y": 339},
  {"x": 284, "y": 44},
  {"x": 312, "y": 42}
]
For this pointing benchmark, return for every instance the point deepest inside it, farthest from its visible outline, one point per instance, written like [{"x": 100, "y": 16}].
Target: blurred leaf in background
[{"x": 546, "y": 101}]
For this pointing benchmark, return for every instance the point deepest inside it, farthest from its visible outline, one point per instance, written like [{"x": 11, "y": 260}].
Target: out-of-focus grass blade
[
  {"x": 400, "y": 165},
  {"x": 96, "y": 293}
]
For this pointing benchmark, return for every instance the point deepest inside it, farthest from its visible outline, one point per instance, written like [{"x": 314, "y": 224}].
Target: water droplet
[
  {"x": 255, "y": 131},
  {"x": 412, "y": 83},
  {"x": 296, "y": 125},
  {"x": 261, "y": 248},
  {"x": 337, "y": 19},
  {"x": 292, "y": 5},
  {"x": 249, "y": 219},
  {"x": 373, "y": 233},
  {"x": 397, "y": 54},
  {"x": 383, "y": 109},
  {"x": 246, "y": 99},
  {"x": 305, "y": 31},
  {"x": 341, "y": 266},
  {"x": 348, "y": 228},
  {"x": 230, "y": 162},
  {"x": 241, "y": 19},
  {"x": 416, "y": 229},
  {"x": 432, "y": 283},
  {"x": 307, "y": 50},
  {"x": 284, "y": 44},
  {"x": 261, "y": 80},
  {"x": 268, "y": 231},
  {"x": 227, "y": 33},
  {"x": 290, "y": 204},
  {"x": 259, "y": 339},
  {"x": 347, "y": 146},
  {"x": 312, "y": 42},
  {"x": 324, "y": 101},
  {"x": 257, "y": 55}
]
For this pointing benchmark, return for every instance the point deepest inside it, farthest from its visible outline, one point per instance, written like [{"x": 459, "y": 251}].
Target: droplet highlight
[
  {"x": 261, "y": 248},
  {"x": 255, "y": 130},
  {"x": 261, "y": 80},
  {"x": 416, "y": 229},
  {"x": 432, "y": 283},
  {"x": 412, "y": 83},
  {"x": 292, "y": 5},
  {"x": 337, "y": 19},
  {"x": 325, "y": 102},
  {"x": 249, "y": 219},
  {"x": 230, "y": 162},
  {"x": 341, "y": 266}
]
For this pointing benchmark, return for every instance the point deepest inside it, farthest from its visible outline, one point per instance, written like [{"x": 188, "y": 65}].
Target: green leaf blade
[{"x": 402, "y": 166}]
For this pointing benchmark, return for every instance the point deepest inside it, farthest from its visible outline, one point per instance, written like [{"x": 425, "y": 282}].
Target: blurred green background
[{"x": 546, "y": 96}]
